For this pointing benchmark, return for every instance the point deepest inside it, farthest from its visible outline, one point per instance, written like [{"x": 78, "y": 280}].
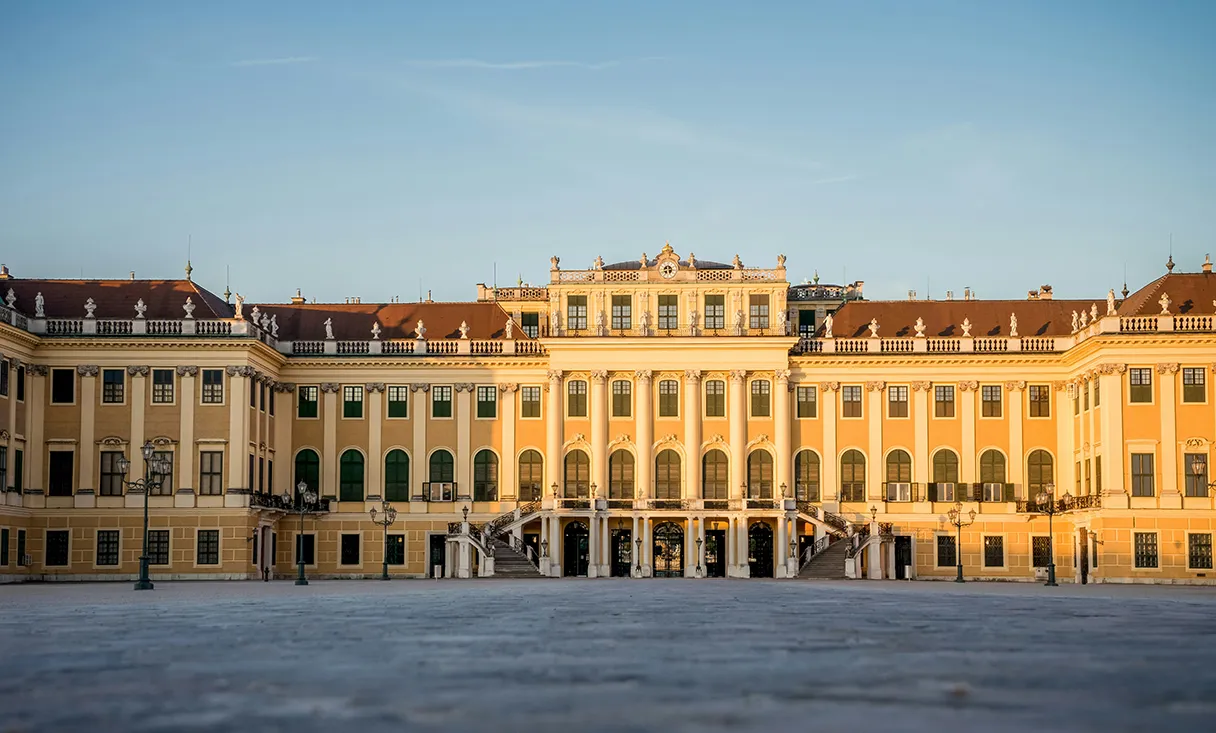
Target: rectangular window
[
  {"x": 262, "y": 397},
  {"x": 761, "y": 402},
  {"x": 850, "y": 398},
  {"x": 253, "y": 465},
  {"x": 1194, "y": 384},
  {"x": 399, "y": 401},
  {"x": 162, "y": 386},
  {"x": 350, "y": 549},
  {"x": 57, "y": 548},
  {"x": 943, "y": 400},
  {"x": 1097, "y": 392},
  {"x": 352, "y": 401},
  {"x": 622, "y": 313},
  {"x": 1146, "y": 549},
  {"x": 1040, "y": 552},
  {"x": 947, "y": 555},
  {"x": 1089, "y": 484},
  {"x": 20, "y": 546},
  {"x": 669, "y": 312},
  {"x": 309, "y": 549},
  {"x": 4, "y": 367},
  {"x": 529, "y": 323},
  {"x": 261, "y": 473},
  {"x": 1141, "y": 382},
  {"x": 211, "y": 471},
  {"x": 1196, "y": 482},
  {"x": 63, "y": 386},
  {"x": 3, "y": 470},
  {"x": 253, "y": 395},
  {"x": 112, "y": 383},
  {"x": 1085, "y": 396},
  {"x": 107, "y": 547},
  {"x": 111, "y": 477},
  {"x": 307, "y": 401},
  {"x": 1142, "y": 474},
  {"x": 807, "y": 401},
  {"x": 4, "y": 547},
  {"x": 529, "y": 401},
  {"x": 1077, "y": 474},
  {"x": 21, "y": 384},
  {"x": 715, "y": 398},
  {"x": 669, "y": 398},
  {"x": 622, "y": 398},
  {"x": 213, "y": 387},
  {"x": 994, "y": 552},
  {"x": 715, "y": 312},
  {"x": 576, "y": 398},
  {"x": 18, "y": 467},
  {"x": 1040, "y": 400},
  {"x": 487, "y": 402},
  {"x": 576, "y": 312},
  {"x": 806, "y": 323},
  {"x": 1198, "y": 551},
  {"x": 270, "y": 399},
  {"x": 396, "y": 549},
  {"x": 208, "y": 547},
  {"x": 897, "y": 401},
  {"x": 166, "y": 482},
  {"x": 1098, "y": 475},
  {"x": 441, "y": 402},
  {"x": 757, "y": 312},
  {"x": 59, "y": 477},
  {"x": 990, "y": 399}
]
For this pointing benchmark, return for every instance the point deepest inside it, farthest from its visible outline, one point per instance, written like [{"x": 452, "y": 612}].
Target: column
[
  {"x": 238, "y": 442},
  {"x": 185, "y": 447},
  {"x": 508, "y": 477},
  {"x": 921, "y": 460},
  {"x": 1017, "y": 454},
  {"x": 692, "y": 432},
  {"x": 35, "y": 432},
  {"x": 554, "y": 414},
  {"x": 730, "y": 548},
  {"x": 737, "y": 414},
  {"x": 783, "y": 550},
  {"x": 464, "y": 422},
  {"x": 635, "y": 553},
  {"x": 555, "y": 547},
  {"x": 829, "y": 466},
  {"x": 606, "y": 548},
  {"x": 1167, "y": 374},
  {"x": 256, "y": 437},
  {"x": 418, "y": 416},
  {"x": 744, "y": 550},
  {"x": 690, "y": 547},
  {"x": 645, "y": 430},
  {"x": 593, "y": 544},
  {"x": 875, "y": 465},
  {"x": 1111, "y": 376},
  {"x": 139, "y": 404},
  {"x": 1094, "y": 437},
  {"x": 88, "y": 424},
  {"x": 329, "y": 439},
  {"x": 966, "y": 416},
  {"x": 13, "y": 364},
  {"x": 701, "y": 549},
  {"x": 781, "y": 419},
  {"x": 375, "y": 440},
  {"x": 647, "y": 549},
  {"x": 1065, "y": 424},
  {"x": 599, "y": 431}
]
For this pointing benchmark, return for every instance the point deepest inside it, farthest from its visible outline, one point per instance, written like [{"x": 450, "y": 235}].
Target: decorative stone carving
[
  {"x": 619, "y": 440},
  {"x": 1167, "y": 368},
  {"x": 1196, "y": 443},
  {"x": 783, "y": 376},
  {"x": 738, "y": 323},
  {"x": 921, "y": 386},
  {"x": 876, "y": 386},
  {"x": 163, "y": 440},
  {"x": 780, "y": 260},
  {"x": 464, "y": 330},
  {"x": 463, "y": 387},
  {"x": 508, "y": 331},
  {"x": 601, "y": 324},
  {"x": 188, "y": 306},
  {"x": 1013, "y": 325},
  {"x": 284, "y": 387},
  {"x": 738, "y": 263},
  {"x": 1093, "y": 312},
  {"x": 1075, "y": 321},
  {"x": 274, "y": 325},
  {"x": 968, "y": 385},
  {"x": 1072, "y": 389},
  {"x": 39, "y": 305},
  {"x": 599, "y": 376},
  {"x": 554, "y": 375},
  {"x": 510, "y": 387},
  {"x": 692, "y": 375},
  {"x": 1084, "y": 318},
  {"x": 374, "y": 387},
  {"x": 829, "y": 386},
  {"x": 783, "y": 322},
  {"x": 920, "y": 327},
  {"x": 376, "y": 331},
  {"x": 553, "y": 262},
  {"x": 1110, "y": 302},
  {"x": 330, "y": 387},
  {"x": 87, "y": 370},
  {"x": 187, "y": 370},
  {"x": 89, "y": 307},
  {"x": 420, "y": 387},
  {"x": 329, "y": 329},
  {"x": 266, "y": 322},
  {"x": 598, "y": 264},
  {"x": 112, "y": 440},
  {"x": 4, "y": 436},
  {"x": 873, "y": 328},
  {"x": 669, "y": 438},
  {"x": 717, "y": 438},
  {"x": 256, "y": 316},
  {"x": 966, "y": 326},
  {"x": 140, "y": 308},
  {"x": 1059, "y": 385},
  {"x": 1014, "y": 386},
  {"x": 737, "y": 375},
  {"x": 36, "y": 370},
  {"x": 140, "y": 370},
  {"x": 10, "y": 298},
  {"x": 643, "y": 376},
  {"x": 1164, "y": 302},
  {"x": 827, "y": 326},
  {"x": 693, "y": 319}
]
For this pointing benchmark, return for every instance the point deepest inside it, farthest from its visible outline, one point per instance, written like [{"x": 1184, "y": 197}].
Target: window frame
[
  {"x": 1038, "y": 397},
  {"x": 1200, "y": 386},
  {"x": 209, "y": 473},
  {"x": 110, "y": 479},
  {"x": 160, "y": 388},
  {"x": 52, "y": 487},
  {"x": 576, "y": 312},
  {"x": 525, "y": 391},
  {"x": 352, "y": 394},
  {"x": 758, "y": 311},
  {"x": 302, "y": 401},
  {"x": 760, "y": 394},
  {"x": 846, "y": 390},
  {"x": 66, "y": 536},
  {"x": 669, "y": 401},
  {"x": 942, "y": 406},
  {"x": 1138, "y": 388},
  {"x": 811, "y": 393},
  {"x": 718, "y": 396},
  {"x": 1140, "y": 477},
  {"x": 392, "y": 489},
  {"x": 1141, "y": 550},
  {"x": 986, "y": 403},
  {"x": 1194, "y": 485},
  {"x": 113, "y": 386},
  {"x": 107, "y": 540},
  {"x": 576, "y": 397},
  {"x": 897, "y": 395},
  {"x": 397, "y": 396},
  {"x": 154, "y": 549},
  {"x": 997, "y": 540},
  {"x": 622, "y": 399},
  {"x": 492, "y": 391},
  {"x": 937, "y": 551},
  {"x": 714, "y": 313},
  {"x": 668, "y": 311},
  {"x": 1193, "y": 551},
  {"x": 212, "y": 535},
  {"x": 52, "y": 387},
  {"x": 358, "y": 549},
  {"x": 446, "y": 391},
  {"x": 215, "y": 393},
  {"x": 621, "y": 312}
]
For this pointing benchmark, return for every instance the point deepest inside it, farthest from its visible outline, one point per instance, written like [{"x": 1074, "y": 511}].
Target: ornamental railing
[
  {"x": 1059, "y": 506},
  {"x": 262, "y": 500}
]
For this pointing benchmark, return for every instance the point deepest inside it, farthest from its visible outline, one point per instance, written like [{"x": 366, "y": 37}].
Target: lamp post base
[
  {"x": 1051, "y": 575},
  {"x": 300, "y": 579},
  {"x": 959, "y": 577},
  {"x": 143, "y": 583}
]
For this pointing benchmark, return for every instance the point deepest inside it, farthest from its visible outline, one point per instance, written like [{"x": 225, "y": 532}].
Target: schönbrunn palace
[{"x": 658, "y": 417}]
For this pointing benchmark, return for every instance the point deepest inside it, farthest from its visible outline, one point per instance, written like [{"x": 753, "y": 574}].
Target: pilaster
[
  {"x": 781, "y": 419},
  {"x": 186, "y": 449},
  {"x": 139, "y": 406},
  {"x": 737, "y": 415},
  {"x": 875, "y": 466},
  {"x": 284, "y": 415},
  {"x": 464, "y": 454},
  {"x": 1065, "y": 444},
  {"x": 1017, "y": 454},
  {"x": 599, "y": 427},
  {"x": 966, "y": 415},
  {"x": 329, "y": 439},
  {"x": 375, "y": 432},
  {"x": 554, "y": 415},
  {"x": 1171, "y": 497},
  {"x": 1111, "y": 376},
  {"x": 35, "y": 431},
  {"x": 692, "y": 432},
  {"x": 88, "y": 424},
  {"x": 508, "y": 477},
  {"x": 418, "y": 416},
  {"x": 921, "y": 460},
  {"x": 829, "y": 466},
  {"x": 645, "y": 429}
]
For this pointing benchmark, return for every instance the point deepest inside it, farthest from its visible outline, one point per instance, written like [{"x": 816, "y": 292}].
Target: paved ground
[{"x": 614, "y": 655}]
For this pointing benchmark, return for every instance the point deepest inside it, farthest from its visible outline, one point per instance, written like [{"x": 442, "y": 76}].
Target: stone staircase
[
  {"x": 828, "y": 564},
  {"x": 510, "y": 563}
]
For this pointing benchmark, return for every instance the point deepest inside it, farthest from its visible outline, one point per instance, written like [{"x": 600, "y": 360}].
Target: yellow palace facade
[{"x": 660, "y": 417}]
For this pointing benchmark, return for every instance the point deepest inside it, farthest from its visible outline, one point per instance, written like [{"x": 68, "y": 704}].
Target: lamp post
[
  {"x": 1199, "y": 466},
  {"x": 388, "y": 515},
  {"x": 873, "y": 513},
  {"x": 155, "y": 471},
  {"x": 955, "y": 517},
  {"x": 699, "y": 541},
  {"x": 638, "y": 556},
  {"x": 304, "y": 499},
  {"x": 1047, "y": 504}
]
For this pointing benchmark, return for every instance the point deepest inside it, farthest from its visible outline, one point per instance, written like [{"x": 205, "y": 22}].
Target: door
[
  {"x": 622, "y": 553},
  {"x": 438, "y": 556},
  {"x": 576, "y": 550},
  {"x": 715, "y": 553},
  {"x": 903, "y": 557},
  {"x": 1083, "y": 546},
  {"x": 668, "y": 551},
  {"x": 760, "y": 550}
]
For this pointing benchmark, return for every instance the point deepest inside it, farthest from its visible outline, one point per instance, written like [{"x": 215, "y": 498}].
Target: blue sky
[{"x": 362, "y": 148}]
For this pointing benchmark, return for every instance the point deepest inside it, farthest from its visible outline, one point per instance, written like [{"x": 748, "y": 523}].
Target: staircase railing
[
  {"x": 837, "y": 524},
  {"x": 524, "y": 550},
  {"x": 858, "y": 540},
  {"x": 495, "y": 526},
  {"x": 816, "y": 549}
]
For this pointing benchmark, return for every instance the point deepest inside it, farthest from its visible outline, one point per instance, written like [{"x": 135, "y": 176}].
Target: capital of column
[
  {"x": 36, "y": 370},
  {"x": 420, "y": 387},
  {"x": 284, "y": 387},
  {"x": 876, "y": 386},
  {"x": 330, "y": 386},
  {"x": 783, "y": 376},
  {"x": 240, "y": 371},
  {"x": 829, "y": 386},
  {"x": 374, "y": 386},
  {"x": 554, "y": 375},
  {"x": 187, "y": 371},
  {"x": 463, "y": 386},
  {"x": 140, "y": 370},
  {"x": 921, "y": 386},
  {"x": 692, "y": 376},
  {"x": 1015, "y": 386},
  {"x": 599, "y": 376},
  {"x": 87, "y": 370},
  {"x": 737, "y": 376},
  {"x": 643, "y": 375},
  {"x": 968, "y": 386},
  {"x": 511, "y": 387},
  {"x": 1167, "y": 368}
]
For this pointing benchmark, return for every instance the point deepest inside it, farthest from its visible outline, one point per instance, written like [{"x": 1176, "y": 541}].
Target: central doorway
[
  {"x": 760, "y": 550},
  {"x": 903, "y": 557},
  {"x": 622, "y": 553},
  {"x": 668, "y": 550},
  {"x": 715, "y": 553},
  {"x": 438, "y": 556},
  {"x": 576, "y": 549}
]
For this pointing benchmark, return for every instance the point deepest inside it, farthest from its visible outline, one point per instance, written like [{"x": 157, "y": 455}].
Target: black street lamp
[
  {"x": 638, "y": 559},
  {"x": 955, "y": 517},
  {"x": 388, "y": 515},
  {"x": 156, "y": 469},
  {"x": 1199, "y": 467},
  {"x": 305, "y": 498},
  {"x": 699, "y": 541},
  {"x": 1047, "y": 505}
]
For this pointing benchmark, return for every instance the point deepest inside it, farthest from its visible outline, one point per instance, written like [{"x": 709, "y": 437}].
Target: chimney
[
  {"x": 1044, "y": 292},
  {"x": 949, "y": 295},
  {"x": 1207, "y": 264},
  {"x": 297, "y": 299},
  {"x": 132, "y": 274},
  {"x": 4, "y": 274},
  {"x": 428, "y": 297},
  {"x": 967, "y": 293},
  {"x": 1032, "y": 295},
  {"x": 911, "y": 295}
]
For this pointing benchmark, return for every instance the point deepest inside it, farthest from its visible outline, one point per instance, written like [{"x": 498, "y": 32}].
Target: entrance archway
[
  {"x": 760, "y": 550},
  {"x": 668, "y": 550},
  {"x": 576, "y": 549}
]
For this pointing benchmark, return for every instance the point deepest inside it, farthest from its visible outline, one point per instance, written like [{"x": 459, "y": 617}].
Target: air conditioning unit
[
  {"x": 441, "y": 491},
  {"x": 994, "y": 492},
  {"x": 945, "y": 492},
  {"x": 899, "y": 492},
  {"x": 25, "y": 561}
]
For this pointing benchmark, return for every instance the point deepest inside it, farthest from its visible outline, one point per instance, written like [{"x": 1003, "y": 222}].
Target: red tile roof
[
  {"x": 1190, "y": 292},
  {"x": 306, "y": 322},
  {"x": 896, "y": 318},
  {"x": 115, "y": 298}
]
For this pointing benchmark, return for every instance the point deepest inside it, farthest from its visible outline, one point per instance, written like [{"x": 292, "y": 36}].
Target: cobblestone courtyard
[{"x": 606, "y": 655}]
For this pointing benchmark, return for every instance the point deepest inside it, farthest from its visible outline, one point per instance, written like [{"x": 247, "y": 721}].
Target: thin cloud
[
  {"x": 275, "y": 62},
  {"x": 523, "y": 65},
  {"x": 836, "y": 179}
]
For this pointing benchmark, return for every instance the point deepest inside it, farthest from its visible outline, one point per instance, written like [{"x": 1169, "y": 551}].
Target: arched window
[
  {"x": 531, "y": 475},
  {"x": 620, "y": 475},
  {"x": 899, "y": 476},
  {"x": 806, "y": 475},
  {"x": 350, "y": 476},
  {"x": 443, "y": 468},
  {"x": 667, "y": 475},
  {"x": 759, "y": 474},
  {"x": 715, "y": 476},
  {"x": 397, "y": 476},
  {"x": 945, "y": 467},
  {"x": 308, "y": 470},
  {"x": 485, "y": 476},
  {"x": 852, "y": 476},
  {"x": 1040, "y": 471},
  {"x": 578, "y": 475},
  {"x": 992, "y": 467}
]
